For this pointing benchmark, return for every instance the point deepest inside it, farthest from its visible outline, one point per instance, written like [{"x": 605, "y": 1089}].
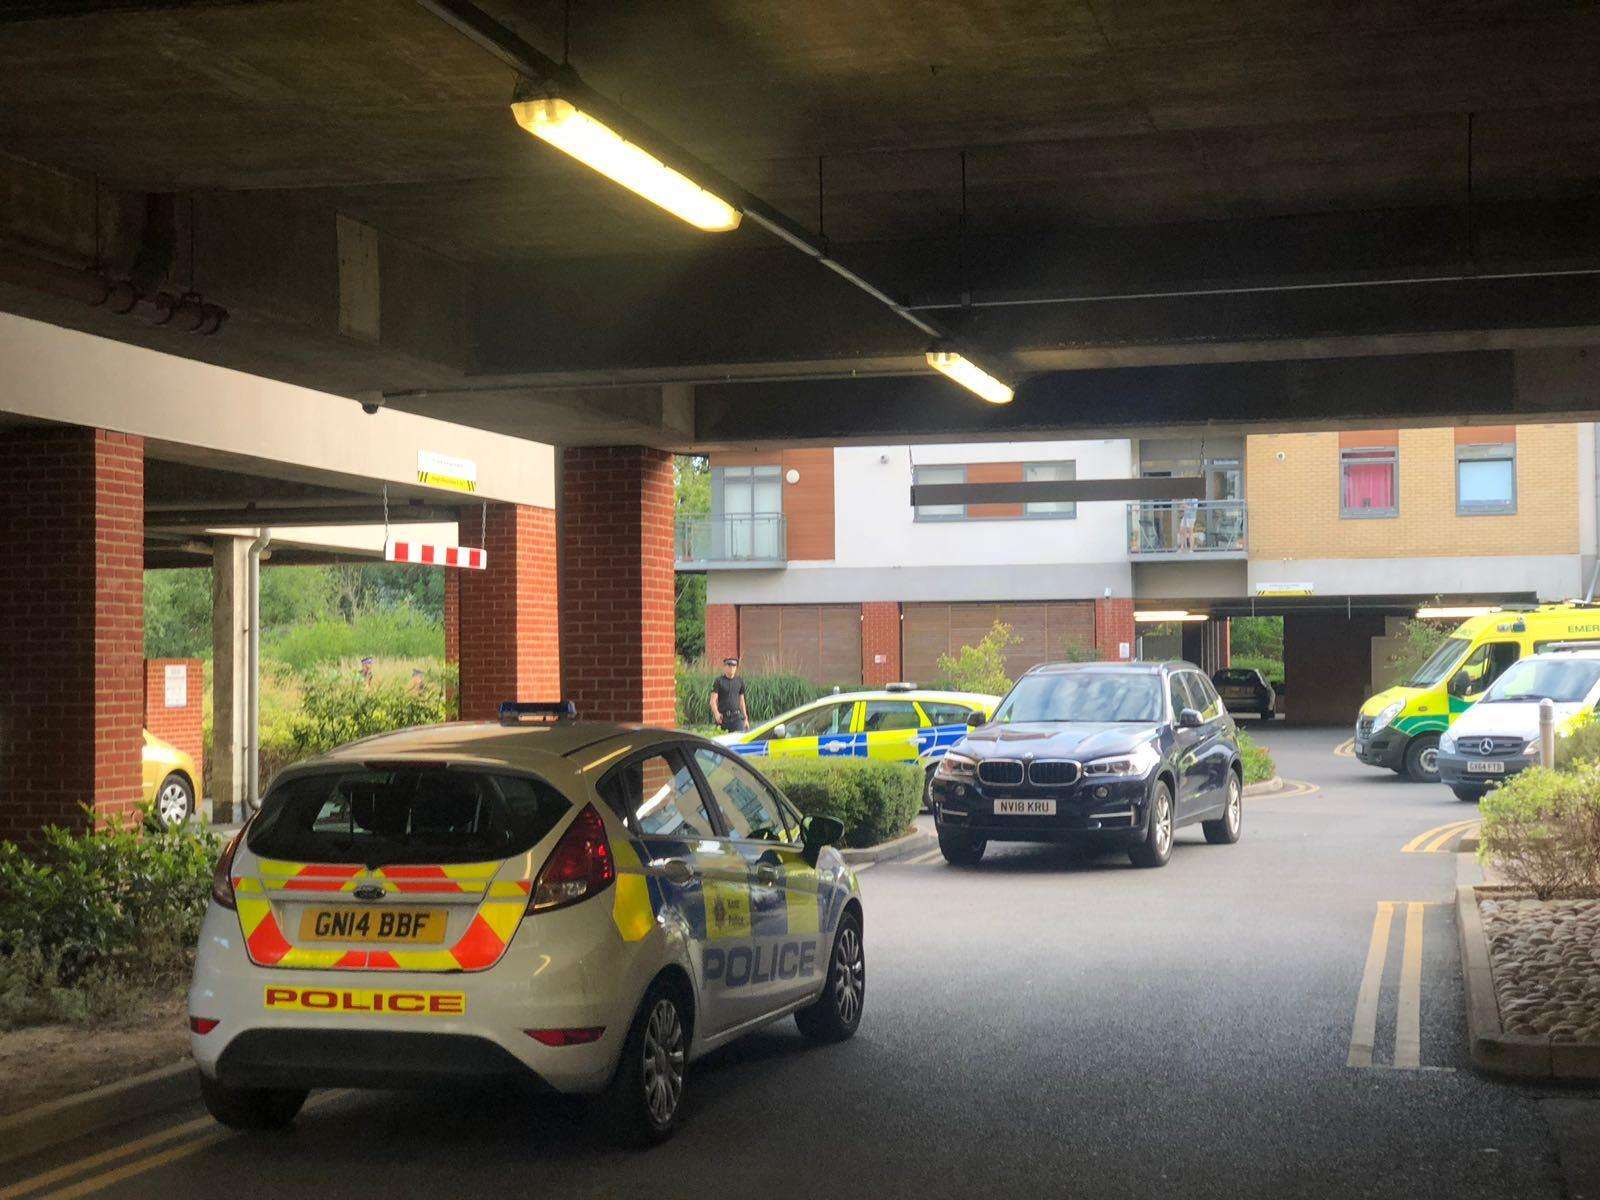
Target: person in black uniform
[{"x": 728, "y": 708}]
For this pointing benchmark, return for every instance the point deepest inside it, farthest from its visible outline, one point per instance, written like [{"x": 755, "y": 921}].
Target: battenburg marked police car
[{"x": 588, "y": 905}]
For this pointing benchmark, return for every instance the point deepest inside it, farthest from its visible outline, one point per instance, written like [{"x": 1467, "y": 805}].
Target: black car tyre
[
  {"x": 1468, "y": 795},
  {"x": 251, "y": 1108},
  {"x": 1156, "y": 848},
  {"x": 1225, "y": 830},
  {"x": 927, "y": 788},
  {"x": 836, "y": 1014},
  {"x": 961, "y": 850},
  {"x": 1422, "y": 758},
  {"x": 174, "y": 800},
  {"x": 641, "y": 1106}
]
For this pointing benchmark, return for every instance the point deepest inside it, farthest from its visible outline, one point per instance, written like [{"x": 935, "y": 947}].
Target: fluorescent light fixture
[
  {"x": 603, "y": 149},
  {"x": 970, "y": 376},
  {"x": 1460, "y": 612},
  {"x": 1158, "y": 616}
]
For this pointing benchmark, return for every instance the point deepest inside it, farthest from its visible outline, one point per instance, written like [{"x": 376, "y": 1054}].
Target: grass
[
  {"x": 1272, "y": 668},
  {"x": 1258, "y": 764}
]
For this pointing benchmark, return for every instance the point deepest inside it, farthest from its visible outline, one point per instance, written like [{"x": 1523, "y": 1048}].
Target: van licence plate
[
  {"x": 1479, "y": 766},
  {"x": 418, "y": 926},
  {"x": 1024, "y": 808}
]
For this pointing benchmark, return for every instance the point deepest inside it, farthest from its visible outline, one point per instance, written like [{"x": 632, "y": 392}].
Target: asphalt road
[{"x": 1037, "y": 1026}]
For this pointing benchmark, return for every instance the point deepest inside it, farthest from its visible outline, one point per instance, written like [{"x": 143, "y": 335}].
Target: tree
[
  {"x": 980, "y": 668},
  {"x": 177, "y": 612},
  {"x": 691, "y": 474}
]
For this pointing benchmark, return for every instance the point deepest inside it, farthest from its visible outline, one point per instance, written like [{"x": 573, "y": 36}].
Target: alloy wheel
[
  {"x": 1235, "y": 803},
  {"x": 172, "y": 805},
  {"x": 1163, "y": 820},
  {"x": 663, "y": 1061},
  {"x": 850, "y": 976},
  {"x": 1429, "y": 760}
]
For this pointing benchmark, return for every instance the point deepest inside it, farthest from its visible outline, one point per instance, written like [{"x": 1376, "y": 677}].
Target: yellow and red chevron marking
[{"x": 480, "y": 947}]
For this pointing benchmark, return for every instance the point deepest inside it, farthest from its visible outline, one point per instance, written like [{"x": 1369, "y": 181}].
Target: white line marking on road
[
  {"x": 923, "y": 860},
  {"x": 1364, "y": 1032},
  {"x": 1408, "y": 1021}
]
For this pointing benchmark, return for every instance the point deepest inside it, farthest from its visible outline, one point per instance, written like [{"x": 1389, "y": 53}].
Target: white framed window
[
  {"x": 1050, "y": 472},
  {"x": 1486, "y": 479},
  {"x": 943, "y": 473}
]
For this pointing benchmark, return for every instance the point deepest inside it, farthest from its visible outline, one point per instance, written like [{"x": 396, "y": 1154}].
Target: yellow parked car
[
  {"x": 901, "y": 723},
  {"x": 171, "y": 780}
]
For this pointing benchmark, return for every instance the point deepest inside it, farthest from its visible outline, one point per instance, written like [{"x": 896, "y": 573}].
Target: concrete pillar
[
  {"x": 1113, "y": 629},
  {"x": 617, "y": 620},
  {"x": 880, "y": 642},
  {"x": 71, "y": 626},
  {"x": 509, "y": 641},
  {"x": 1205, "y": 644},
  {"x": 230, "y": 621},
  {"x": 722, "y": 632}
]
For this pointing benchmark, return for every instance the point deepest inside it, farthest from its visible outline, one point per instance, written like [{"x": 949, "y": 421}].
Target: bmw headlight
[
  {"x": 1387, "y": 715},
  {"x": 1139, "y": 761},
  {"x": 957, "y": 767},
  {"x": 1447, "y": 742}
]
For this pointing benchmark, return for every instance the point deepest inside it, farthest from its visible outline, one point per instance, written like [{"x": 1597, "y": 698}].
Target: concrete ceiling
[{"x": 1112, "y": 150}]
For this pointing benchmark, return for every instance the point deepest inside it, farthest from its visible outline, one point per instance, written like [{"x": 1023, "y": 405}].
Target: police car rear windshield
[
  {"x": 1564, "y": 680},
  {"x": 376, "y": 815},
  {"x": 1084, "y": 696}
]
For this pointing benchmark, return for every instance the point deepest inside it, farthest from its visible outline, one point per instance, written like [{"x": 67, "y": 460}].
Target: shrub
[
  {"x": 400, "y": 632},
  {"x": 1258, "y": 764},
  {"x": 90, "y": 918},
  {"x": 980, "y": 668},
  {"x": 1581, "y": 744},
  {"x": 766, "y": 695},
  {"x": 336, "y": 708},
  {"x": 1542, "y": 827},
  {"x": 876, "y": 800}
]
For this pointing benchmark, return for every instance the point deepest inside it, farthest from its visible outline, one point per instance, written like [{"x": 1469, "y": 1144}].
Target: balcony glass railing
[
  {"x": 757, "y": 539},
  {"x": 1186, "y": 527}
]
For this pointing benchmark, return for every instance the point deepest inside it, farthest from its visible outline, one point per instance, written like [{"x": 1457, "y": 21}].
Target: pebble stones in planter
[{"x": 1546, "y": 960}]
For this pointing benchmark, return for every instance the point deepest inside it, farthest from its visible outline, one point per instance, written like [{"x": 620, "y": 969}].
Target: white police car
[{"x": 592, "y": 906}]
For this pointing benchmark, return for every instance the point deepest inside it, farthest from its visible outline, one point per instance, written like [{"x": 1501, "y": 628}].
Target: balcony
[
  {"x": 741, "y": 542},
  {"x": 1179, "y": 529}
]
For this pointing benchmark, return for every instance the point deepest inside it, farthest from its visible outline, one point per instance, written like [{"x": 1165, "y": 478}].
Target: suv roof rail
[{"x": 513, "y": 712}]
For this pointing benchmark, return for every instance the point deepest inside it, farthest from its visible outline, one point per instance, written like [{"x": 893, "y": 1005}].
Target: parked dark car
[
  {"x": 1104, "y": 755},
  {"x": 1245, "y": 690}
]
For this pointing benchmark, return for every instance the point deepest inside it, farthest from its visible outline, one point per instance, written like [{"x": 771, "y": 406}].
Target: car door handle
[
  {"x": 676, "y": 870},
  {"x": 766, "y": 873}
]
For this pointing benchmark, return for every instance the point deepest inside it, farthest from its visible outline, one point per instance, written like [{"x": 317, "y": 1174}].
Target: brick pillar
[
  {"x": 177, "y": 716},
  {"x": 452, "y": 616},
  {"x": 1113, "y": 626},
  {"x": 617, "y": 618},
  {"x": 722, "y": 632},
  {"x": 508, "y": 643},
  {"x": 880, "y": 642},
  {"x": 71, "y": 626}
]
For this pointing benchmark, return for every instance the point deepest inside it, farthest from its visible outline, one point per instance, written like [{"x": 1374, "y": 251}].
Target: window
[
  {"x": 749, "y": 500},
  {"x": 1050, "y": 472},
  {"x": 1369, "y": 482},
  {"x": 1213, "y": 702},
  {"x": 820, "y": 722},
  {"x": 944, "y": 714},
  {"x": 891, "y": 714},
  {"x": 660, "y": 795},
  {"x": 956, "y": 473},
  {"x": 1481, "y": 668},
  {"x": 1185, "y": 693},
  {"x": 748, "y": 808},
  {"x": 1486, "y": 479}
]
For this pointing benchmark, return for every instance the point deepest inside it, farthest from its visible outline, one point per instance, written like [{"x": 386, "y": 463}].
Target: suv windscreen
[
  {"x": 1566, "y": 681},
  {"x": 1083, "y": 696},
  {"x": 378, "y": 815}
]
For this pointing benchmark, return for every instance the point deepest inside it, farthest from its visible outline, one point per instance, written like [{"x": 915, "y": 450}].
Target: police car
[
  {"x": 589, "y": 906},
  {"x": 900, "y": 723}
]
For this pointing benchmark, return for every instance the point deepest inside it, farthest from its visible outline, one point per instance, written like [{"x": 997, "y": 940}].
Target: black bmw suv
[{"x": 1108, "y": 755}]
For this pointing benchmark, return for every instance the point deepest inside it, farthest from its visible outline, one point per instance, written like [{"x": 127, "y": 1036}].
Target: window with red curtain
[{"x": 1367, "y": 480}]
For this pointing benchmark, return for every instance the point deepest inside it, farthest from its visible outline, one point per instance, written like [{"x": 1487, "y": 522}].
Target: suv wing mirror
[
  {"x": 817, "y": 831},
  {"x": 1190, "y": 718},
  {"x": 779, "y": 731}
]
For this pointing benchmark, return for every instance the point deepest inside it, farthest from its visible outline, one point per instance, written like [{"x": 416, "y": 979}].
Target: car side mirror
[
  {"x": 780, "y": 730},
  {"x": 1190, "y": 718},
  {"x": 817, "y": 831},
  {"x": 975, "y": 718}
]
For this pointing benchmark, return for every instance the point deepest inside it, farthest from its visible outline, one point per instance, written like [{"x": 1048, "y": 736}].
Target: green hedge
[
  {"x": 766, "y": 695},
  {"x": 1542, "y": 827},
  {"x": 876, "y": 800}
]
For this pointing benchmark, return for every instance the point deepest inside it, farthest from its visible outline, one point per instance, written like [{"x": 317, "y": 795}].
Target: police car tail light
[
  {"x": 566, "y": 1037},
  {"x": 580, "y": 865},
  {"x": 203, "y": 1025},
  {"x": 222, "y": 877}
]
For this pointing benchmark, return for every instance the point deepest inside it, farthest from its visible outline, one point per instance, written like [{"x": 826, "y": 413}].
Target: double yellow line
[
  {"x": 193, "y": 1137},
  {"x": 1434, "y": 840},
  {"x": 1408, "y": 1015}
]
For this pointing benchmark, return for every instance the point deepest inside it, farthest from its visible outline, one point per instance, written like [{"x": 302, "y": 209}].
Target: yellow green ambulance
[{"x": 1399, "y": 728}]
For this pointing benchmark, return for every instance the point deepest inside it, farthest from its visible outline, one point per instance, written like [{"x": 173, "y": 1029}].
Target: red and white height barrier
[{"x": 470, "y": 558}]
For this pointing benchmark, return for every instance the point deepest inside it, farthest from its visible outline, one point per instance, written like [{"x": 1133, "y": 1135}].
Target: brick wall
[
  {"x": 617, "y": 587},
  {"x": 509, "y": 643},
  {"x": 71, "y": 625},
  {"x": 1113, "y": 625},
  {"x": 722, "y": 632},
  {"x": 880, "y": 638},
  {"x": 1294, "y": 502},
  {"x": 182, "y": 725}
]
